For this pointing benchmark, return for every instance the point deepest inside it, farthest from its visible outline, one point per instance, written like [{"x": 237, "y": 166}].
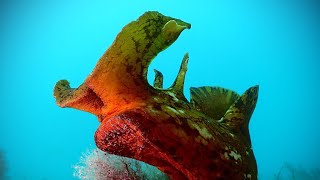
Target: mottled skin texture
[{"x": 206, "y": 138}]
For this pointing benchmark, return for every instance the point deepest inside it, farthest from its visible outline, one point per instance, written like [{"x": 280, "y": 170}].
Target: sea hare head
[
  {"x": 141, "y": 40},
  {"x": 204, "y": 138}
]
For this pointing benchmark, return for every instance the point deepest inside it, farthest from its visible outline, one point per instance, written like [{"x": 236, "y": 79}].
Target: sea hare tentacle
[
  {"x": 206, "y": 138},
  {"x": 177, "y": 86},
  {"x": 158, "y": 79}
]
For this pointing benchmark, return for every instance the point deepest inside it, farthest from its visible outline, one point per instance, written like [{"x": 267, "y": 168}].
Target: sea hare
[{"x": 204, "y": 138}]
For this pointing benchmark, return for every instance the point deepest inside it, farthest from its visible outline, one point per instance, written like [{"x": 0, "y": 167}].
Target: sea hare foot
[{"x": 206, "y": 138}]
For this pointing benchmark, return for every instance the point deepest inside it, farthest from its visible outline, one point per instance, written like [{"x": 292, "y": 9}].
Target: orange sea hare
[{"x": 206, "y": 138}]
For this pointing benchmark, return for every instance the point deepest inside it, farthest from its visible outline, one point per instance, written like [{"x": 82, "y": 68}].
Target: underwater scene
[{"x": 96, "y": 90}]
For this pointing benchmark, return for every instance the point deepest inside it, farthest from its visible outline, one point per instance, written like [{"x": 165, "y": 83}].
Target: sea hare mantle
[{"x": 204, "y": 138}]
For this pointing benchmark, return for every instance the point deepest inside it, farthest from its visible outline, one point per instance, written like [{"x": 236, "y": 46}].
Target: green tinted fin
[
  {"x": 158, "y": 79},
  {"x": 212, "y": 101},
  {"x": 238, "y": 115},
  {"x": 77, "y": 97}
]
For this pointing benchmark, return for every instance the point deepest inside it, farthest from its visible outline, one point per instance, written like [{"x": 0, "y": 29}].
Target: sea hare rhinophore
[{"x": 206, "y": 138}]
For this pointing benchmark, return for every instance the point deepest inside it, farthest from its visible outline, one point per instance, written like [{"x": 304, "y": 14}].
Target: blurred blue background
[{"x": 232, "y": 44}]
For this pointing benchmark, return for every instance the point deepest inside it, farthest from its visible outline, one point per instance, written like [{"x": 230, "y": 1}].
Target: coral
[
  {"x": 98, "y": 165},
  {"x": 204, "y": 138}
]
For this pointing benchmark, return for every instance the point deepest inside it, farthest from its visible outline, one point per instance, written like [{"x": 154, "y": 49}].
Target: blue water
[{"x": 232, "y": 44}]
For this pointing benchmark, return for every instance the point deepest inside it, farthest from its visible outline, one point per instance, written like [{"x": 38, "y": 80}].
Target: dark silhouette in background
[
  {"x": 290, "y": 171},
  {"x": 3, "y": 166}
]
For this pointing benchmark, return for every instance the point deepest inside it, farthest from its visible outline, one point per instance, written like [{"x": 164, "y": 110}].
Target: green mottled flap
[
  {"x": 238, "y": 115},
  {"x": 212, "y": 101}
]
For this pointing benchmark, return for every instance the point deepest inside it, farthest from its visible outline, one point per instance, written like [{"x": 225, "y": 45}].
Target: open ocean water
[{"x": 232, "y": 44}]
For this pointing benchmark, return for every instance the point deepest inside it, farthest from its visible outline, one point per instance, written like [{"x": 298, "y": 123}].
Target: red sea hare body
[{"x": 206, "y": 138}]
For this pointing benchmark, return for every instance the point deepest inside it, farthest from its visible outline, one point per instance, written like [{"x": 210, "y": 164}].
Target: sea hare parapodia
[{"x": 206, "y": 138}]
